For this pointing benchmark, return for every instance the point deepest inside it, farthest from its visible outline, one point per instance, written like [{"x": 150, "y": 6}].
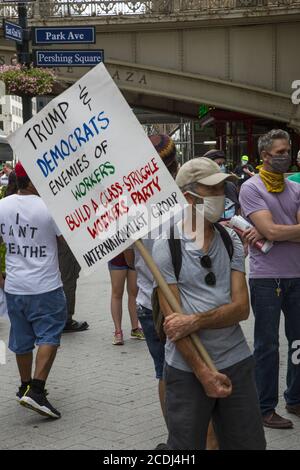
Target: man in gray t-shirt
[
  {"x": 226, "y": 346},
  {"x": 214, "y": 297}
]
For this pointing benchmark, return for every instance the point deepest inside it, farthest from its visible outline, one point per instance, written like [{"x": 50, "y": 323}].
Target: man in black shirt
[{"x": 244, "y": 171}]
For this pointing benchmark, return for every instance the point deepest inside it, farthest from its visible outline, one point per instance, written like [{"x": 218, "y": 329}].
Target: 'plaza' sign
[{"x": 68, "y": 35}]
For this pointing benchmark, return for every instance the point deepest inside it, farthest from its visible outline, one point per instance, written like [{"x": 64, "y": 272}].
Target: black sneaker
[
  {"x": 74, "y": 326},
  {"x": 39, "y": 403},
  {"x": 21, "y": 392}
]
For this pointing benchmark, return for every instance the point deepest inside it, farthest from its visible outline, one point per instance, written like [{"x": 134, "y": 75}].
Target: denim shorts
[
  {"x": 114, "y": 267},
  {"x": 155, "y": 346},
  {"x": 36, "y": 320}
]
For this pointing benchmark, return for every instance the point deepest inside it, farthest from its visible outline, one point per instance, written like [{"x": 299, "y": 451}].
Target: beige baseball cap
[{"x": 201, "y": 170}]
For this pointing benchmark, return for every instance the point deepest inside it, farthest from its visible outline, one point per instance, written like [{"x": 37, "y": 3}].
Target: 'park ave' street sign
[{"x": 64, "y": 35}]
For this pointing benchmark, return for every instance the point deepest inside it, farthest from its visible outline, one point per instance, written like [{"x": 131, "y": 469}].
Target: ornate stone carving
[{"x": 96, "y": 8}]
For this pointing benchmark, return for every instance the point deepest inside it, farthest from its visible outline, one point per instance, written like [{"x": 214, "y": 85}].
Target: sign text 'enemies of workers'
[{"x": 96, "y": 169}]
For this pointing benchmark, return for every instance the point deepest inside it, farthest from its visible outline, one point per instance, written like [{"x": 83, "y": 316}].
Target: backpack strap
[
  {"x": 227, "y": 240},
  {"x": 175, "y": 249}
]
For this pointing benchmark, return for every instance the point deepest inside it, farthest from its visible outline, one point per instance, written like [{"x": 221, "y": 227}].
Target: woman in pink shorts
[{"x": 119, "y": 273}]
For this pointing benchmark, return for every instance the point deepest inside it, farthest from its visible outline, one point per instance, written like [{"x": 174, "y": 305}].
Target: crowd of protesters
[{"x": 203, "y": 408}]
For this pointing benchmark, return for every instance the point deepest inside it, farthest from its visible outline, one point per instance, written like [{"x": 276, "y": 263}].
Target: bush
[{"x": 21, "y": 80}]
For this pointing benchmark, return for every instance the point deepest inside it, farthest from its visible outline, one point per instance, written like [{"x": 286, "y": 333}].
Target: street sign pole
[
  {"x": 24, "y": 57},
  {"x": 2, "y": 92}
]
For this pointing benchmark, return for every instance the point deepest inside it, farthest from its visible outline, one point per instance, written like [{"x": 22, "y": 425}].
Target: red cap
[{"x": 20, "y": 171}]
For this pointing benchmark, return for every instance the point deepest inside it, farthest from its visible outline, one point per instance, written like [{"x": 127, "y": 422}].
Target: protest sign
[
  {"x": 101, "y": 178},
  {"x": 96, "y": 169}
]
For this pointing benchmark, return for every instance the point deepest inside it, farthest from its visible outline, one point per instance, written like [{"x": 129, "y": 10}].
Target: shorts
[
  {"x": 36, "y": 320},
  {"x": 118, "y": 263}
]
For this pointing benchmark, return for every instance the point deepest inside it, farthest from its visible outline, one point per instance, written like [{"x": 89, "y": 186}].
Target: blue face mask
[{"x": 223, "y": 168}]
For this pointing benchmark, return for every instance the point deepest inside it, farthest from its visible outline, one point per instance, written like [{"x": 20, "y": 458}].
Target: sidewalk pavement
[{"x": 107, "y": 394}]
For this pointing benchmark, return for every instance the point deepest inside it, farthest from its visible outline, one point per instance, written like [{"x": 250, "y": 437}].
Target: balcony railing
[{"x": 43, "y": 9}]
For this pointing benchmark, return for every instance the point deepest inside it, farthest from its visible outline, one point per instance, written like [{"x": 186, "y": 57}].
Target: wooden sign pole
[{"x": 175, "y": 306}]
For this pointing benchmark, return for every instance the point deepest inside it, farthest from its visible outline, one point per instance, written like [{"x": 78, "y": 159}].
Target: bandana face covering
[{"x": 274, "y": 182}]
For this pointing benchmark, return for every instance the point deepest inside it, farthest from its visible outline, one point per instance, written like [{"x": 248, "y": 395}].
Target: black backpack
[{"x": 176, "y": 255}]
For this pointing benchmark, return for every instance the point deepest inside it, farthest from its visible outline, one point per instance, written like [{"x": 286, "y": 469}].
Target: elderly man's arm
[
  {"x": 215, "y": 384},
  {"x": 178, "y": 325}
]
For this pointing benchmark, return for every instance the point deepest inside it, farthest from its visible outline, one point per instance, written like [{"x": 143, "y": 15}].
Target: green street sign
[{"x": 203, "y": 110}]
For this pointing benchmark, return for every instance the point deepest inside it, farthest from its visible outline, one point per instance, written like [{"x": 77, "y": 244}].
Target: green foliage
[{"x": 32, "y": 81}]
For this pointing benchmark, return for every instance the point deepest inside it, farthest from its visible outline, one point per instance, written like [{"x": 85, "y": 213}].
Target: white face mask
[{"x": 214, "y": 206}]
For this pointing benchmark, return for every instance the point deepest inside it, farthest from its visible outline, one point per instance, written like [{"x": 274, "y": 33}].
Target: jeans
[
  {"x": 237, "y": 419},
  {"x": 156, "y": 348},
  {"x": 267, "y": 302}
]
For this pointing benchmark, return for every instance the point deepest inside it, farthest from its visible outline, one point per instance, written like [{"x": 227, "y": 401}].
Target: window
[{"x": 1, "y": 125}]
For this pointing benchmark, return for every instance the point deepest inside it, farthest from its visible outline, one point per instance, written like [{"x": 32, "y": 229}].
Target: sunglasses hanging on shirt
[{"x": 210, "y": 278}]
